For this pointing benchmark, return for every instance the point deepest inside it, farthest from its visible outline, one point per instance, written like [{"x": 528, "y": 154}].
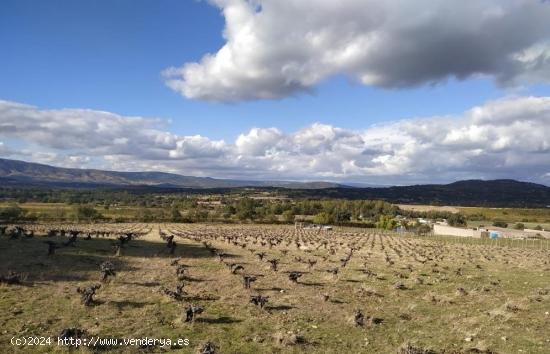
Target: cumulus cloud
[
  {"x": 101, "y": 133},
  {"x": 277, "y": 48},
  {"x": 5, "y": 150},
  {"x": 259, "y": 141},
  {"x": 506, "y": 138}
]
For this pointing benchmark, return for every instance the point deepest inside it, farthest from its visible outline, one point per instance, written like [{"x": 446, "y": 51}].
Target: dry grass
[
  {"x": 455, "y": 298},
  {"x": 425, "y": 208}
]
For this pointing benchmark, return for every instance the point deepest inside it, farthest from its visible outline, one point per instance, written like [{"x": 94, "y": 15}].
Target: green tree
[
  {"x": 270, "y": 217},
  {"x": 519, "y": 226},
  {"x": 423, "y": 229},
  {"x": 175, "y": 214},
  {"x": 456, "y": 219},
  {"x": 144, "y": 215},
  {"x": 87, "y": 213},
  {"x": 198, "y": 214},
  {"x": 322, "y": 218},
  {"x": 277, "y": 208},
  {"x": 288, "y": 216},
  {"x": 500, "y": 223},
  {"x": 339, "y": 215},
  {"x": 12, "y": 213},
  {"x": 386, "y": 222},
  {"x": 245, "y": 209}
]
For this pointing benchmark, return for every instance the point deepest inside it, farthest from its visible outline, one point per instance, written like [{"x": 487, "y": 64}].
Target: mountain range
[
  {"x": 17, "y": 172},
  {"x": 495, "y": 193},
  {"x": 491, "y": 193}
]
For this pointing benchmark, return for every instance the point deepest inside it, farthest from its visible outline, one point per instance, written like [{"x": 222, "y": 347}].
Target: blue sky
[{"x": 110, "y": 56}]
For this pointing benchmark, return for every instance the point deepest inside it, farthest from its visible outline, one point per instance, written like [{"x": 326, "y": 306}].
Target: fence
[{"x": 526, "y": 243}]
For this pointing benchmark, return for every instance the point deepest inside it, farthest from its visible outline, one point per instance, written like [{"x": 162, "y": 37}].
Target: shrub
[
  {"x": 519, "y": 226},
  {"x": 288, "y": 216},
  {"x": 12, "y": 213},
  {"x": 175, "y": 215},
  {"x": 423, "y": 229},
  {"x": 386, "y": 222},
  {"x": 322, "y": 218},
  {"x": 87, "y": 213},
  {"x": 500, "y": 223},
  {"x": 456, "y": 220}
]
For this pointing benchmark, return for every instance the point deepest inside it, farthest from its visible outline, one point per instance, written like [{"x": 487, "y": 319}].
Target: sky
[{"x": 364, "y": 91}]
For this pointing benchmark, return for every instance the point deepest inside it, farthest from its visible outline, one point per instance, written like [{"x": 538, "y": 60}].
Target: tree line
[{"x": 225, "y": 208}]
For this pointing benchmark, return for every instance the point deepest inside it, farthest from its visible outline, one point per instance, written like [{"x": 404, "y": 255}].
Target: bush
[
  {"x": 456, "y": 220},
  {"x": 288, "y": 216},
  {"x": 175, "y": 215},
  {"x": 386, "y": 222},
  {"x": 423, "y": 229},
  {"x": 499, "y": 223},
  {"x": 87, "y": 213},
  {"x": 12, "y": 213},
  {"x": 197, "y": 215},
  {"x": 322, "y": 218},
  {"x": 519, "y": 226}
]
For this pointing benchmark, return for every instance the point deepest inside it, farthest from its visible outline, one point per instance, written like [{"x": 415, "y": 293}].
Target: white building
[{"x": 455, "y": 231}]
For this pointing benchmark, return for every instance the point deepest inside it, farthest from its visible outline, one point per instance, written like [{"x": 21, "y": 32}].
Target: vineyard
[{"x": 270, "y": 289}]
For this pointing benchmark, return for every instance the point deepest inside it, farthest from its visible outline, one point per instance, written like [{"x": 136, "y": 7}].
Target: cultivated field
[
  {"x": 529, "y": 217},
  {"x": 424, "y": 208},
  {"x": 326, "y": 292}
]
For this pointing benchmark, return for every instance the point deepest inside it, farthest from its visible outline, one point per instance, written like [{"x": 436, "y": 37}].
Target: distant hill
[
  {"x": 493, "y": 193},
  {"x": 20, "y": 172}
]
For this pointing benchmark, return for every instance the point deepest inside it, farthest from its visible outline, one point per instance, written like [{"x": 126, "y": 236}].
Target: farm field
[
  {"x": 56, "y": 211},
  {"x": 424, "y": 208},
  {"x": 529, "y": 217},
  {"x": 326, "y": 292}
]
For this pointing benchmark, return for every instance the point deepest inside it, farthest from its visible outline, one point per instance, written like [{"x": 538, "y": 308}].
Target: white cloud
[
  {"x": 277, "y": 48},
  {"x": 100, "y": 133},
  {"x": 506, "y": 138},
  {"x": 258, "y": 142},
  {"x": 5, "y": 150}
]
